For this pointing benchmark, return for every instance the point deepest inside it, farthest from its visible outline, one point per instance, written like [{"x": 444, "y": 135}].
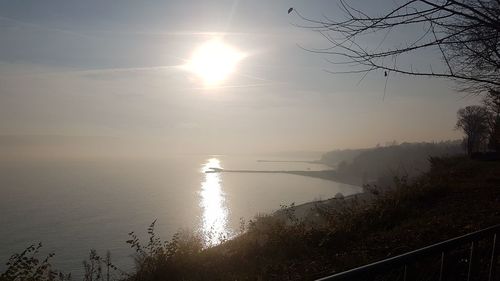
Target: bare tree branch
[{"x": 465, "y": 32}]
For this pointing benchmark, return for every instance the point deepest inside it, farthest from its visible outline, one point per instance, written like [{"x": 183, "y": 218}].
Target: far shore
[
  {"x": 330, "y": 175},
  {"x": 290, "y": 161},
  {"x": 308, "y": 210}
]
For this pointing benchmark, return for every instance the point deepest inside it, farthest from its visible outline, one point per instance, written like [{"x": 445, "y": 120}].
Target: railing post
[
  {"x": 405, "y": 272},
  {"x": 441, "y": 267},
  {"x": 491, "y": 274},
  {"x": 470, "y": 260}
]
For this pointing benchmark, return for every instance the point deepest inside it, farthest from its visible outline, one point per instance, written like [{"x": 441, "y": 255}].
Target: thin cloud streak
[
  {"x": 232, "y": 86},
  {"x": 39, "y": 26},
  {"x": 99, "y": 71},
  {"x": 178, "y": 33}
]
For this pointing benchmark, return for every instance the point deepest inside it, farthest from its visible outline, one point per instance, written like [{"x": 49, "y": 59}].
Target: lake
[{"x": 73, "y": 206}]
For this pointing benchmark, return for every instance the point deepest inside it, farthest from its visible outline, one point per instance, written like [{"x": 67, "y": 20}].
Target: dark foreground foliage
[
  {"x": 457, "y": 196},
  {"x": 29, "y": 266}
]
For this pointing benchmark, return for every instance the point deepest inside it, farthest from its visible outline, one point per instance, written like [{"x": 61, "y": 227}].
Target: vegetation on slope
[
  {"x": 456, "y": 196},
  {"x": 382, "y": 163}
]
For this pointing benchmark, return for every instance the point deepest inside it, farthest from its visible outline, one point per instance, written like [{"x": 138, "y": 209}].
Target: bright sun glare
[{"x": 214, "y": 61}]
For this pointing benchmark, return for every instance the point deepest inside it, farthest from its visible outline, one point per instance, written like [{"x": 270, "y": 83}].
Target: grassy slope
[{"x": 456, "y": 197}]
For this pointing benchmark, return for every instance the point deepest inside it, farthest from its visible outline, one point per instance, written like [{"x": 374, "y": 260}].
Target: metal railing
[{"x": 401, "y": 263}]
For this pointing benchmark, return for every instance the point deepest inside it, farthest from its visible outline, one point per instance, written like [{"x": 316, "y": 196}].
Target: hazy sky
[{"x": 110, "y": 68}]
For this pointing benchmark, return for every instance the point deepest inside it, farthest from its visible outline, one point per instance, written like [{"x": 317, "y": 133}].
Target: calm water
[{"x": 74, "y": 206}]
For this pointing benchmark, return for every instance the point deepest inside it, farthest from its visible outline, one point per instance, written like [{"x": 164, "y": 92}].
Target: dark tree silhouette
[
  {"x": 473, "y": 120},
  {"x": 465, "y": 32},
  {"x": 492, "y": 103}
]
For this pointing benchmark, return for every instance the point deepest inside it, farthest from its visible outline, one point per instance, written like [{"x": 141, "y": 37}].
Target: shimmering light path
[{"x": 215, "y": 213}]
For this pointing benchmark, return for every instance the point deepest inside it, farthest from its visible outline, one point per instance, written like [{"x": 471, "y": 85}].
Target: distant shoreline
[
  {"x": 308, "y": 211},
  {"x": 290, "y": 161},
  {"x": 330, "y": 175}
]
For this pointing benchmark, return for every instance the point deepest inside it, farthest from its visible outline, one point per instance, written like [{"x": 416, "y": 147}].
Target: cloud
[{"x": 42, "y": 27}]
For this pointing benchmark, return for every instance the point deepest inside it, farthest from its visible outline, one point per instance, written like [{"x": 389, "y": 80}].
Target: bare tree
[
  {"x": 492, "y": 102},
  {"x": 466, "y": 33},
  {"x": 473, "y": 120}
]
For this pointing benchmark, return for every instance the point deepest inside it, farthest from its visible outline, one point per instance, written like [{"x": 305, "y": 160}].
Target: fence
[{"x": 469, "y": 257}]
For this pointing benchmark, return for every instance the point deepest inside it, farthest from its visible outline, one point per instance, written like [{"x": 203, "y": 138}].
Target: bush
[{"x": 29, "y": 266}]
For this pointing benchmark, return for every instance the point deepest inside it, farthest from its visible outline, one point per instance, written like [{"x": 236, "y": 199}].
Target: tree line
[{"x": 481, "y": 124}]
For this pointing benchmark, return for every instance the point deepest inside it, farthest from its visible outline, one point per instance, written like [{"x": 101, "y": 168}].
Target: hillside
[
  {"x": 455, "y": 197},
  {"x": 380, "y": 164}
]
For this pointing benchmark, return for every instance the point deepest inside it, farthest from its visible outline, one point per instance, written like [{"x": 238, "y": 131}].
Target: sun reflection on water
[{"x": 215, "y": 213}]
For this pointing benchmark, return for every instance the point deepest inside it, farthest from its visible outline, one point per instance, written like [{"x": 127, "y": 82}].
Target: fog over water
[
  {"x": 76, "y": 205},
  {"x": 111, "y": 111}
]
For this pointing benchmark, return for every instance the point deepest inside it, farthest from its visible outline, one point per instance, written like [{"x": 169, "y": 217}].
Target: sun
[{"x": 214, "y": 61}]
